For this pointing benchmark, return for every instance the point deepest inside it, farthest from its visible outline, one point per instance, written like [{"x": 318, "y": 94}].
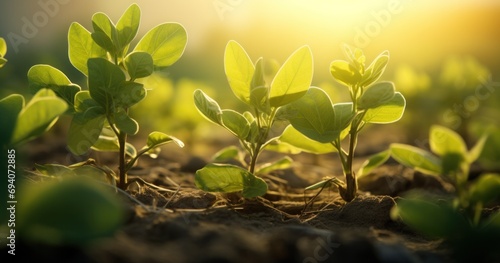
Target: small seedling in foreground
[
  {"x": 3, "y": 51},
  {"x": 253, "y": 129},
  {"x": 460, "y": 219},
  {"x": 101, "y": 118},
  {"x": 326, "y": 125}
]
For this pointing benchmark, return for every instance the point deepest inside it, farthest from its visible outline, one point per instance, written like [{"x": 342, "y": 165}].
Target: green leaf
[
  {"x": 54, "y": 170},
  {"x": 313, "y": 116},
  {"x": 376, "y": 68},
  {"x": 343, "y": 116},
  {"x": 3, "y": 47},
  {"x": 291, "y": 136},
  {"x": 236, "y": 123},
  {"x": 239, "y": 71},
  {"x": 157, "y": 139},
  {"x": 165, "y": 43},
  {"x": 373, "y": 162},
  {"x": 83, "y": 101},
  {"x": 128, "y": 25},
  {"x": 444, "y": 141},
  {"x": 45, "y": 76},
  {"x": 259, "y": 98},
  {"x": 293, "y": 79},
  {"x": 258, "y": 75},
  {"x": 110, "y": 144},
  {"x": 125, "y": 123},
  {"x": 428, "y": 218},
  {"x": 85, "y": 129},
  {"x": 389, "y": 112},
  {"x": 377, "y": 95},
  {"x": 105, "y": 34},
  {"x": 139, "y": 64},
  {"x": 281, "y": 164},
  {"x": 416, "y": 158},
  {"x": 226, "y": 178},
  {"x": 208, "y": 107},
  {"x": 225, "y": 154},
  {"x": 128, "y": 94},
  {"x": 345, "y": 73},
  {"x": 38, "y": 116},
  {"x": 486, "y": 189},
  {"x": 89, "y": 171},
  {"x": 477, "y": 149},
  {"x": 44, "y": 217},
  {"x": 105, "y": 79},
  {"x": 454, "y": 166},
  {"x": 10, "y": 107},
  {"x": 81, "y": 47}
]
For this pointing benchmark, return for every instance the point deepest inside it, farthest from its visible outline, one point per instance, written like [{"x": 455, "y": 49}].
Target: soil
[{"x": 185, "y": 224}]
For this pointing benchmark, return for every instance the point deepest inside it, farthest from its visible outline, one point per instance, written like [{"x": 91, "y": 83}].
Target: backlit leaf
[
  {"x": 45, "y": 76},
  {"x": 139, "y": 64},
  {"x": 281, "y": 164},
  {"x": 10, "y": 107},
  {"x": 373, "y": 162},
  {"x": 128, "y": 25},
  {"x": 313, "y": 116},
  {"x": 105, "y": 79},
  {"x": 416, "y": 158},
  {"x": 105, "y": 34},
  {"x": 226, "y": 178},
  {"x": 444, "y": 140},
  {"x": 291, "y": 136},
  {"x": 343, "y": 72},
  {"x": 389, "y": 112},
  {"x": 38, "y": 116},
  {"x": 81, "y": 47},
  {"x": 165, "y": 43},
  {"x": 125, "y": 123},
  {"x": 293, "y": 78},
  {"x": 376, "y": 68},
  {"x": 208, "y": 107},
  {"x": 377, "y": 95},
  {"x": 236, "y": 123},
  {"x": 239, "y": 71},
  {"x": 85, "y": 129}
]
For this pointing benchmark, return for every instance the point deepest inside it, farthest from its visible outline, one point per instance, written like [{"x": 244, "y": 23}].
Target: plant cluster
[
  {"x": 254, "y": 128},
  {"x": 285, "y": 114},
  {"x": 315, "y": 124},
  {"x": 459, "y": 218},
  {"x": 101, "y": 118}
]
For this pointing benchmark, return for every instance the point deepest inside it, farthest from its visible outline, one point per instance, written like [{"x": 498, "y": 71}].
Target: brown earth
[{"x": 184, "y": 224}]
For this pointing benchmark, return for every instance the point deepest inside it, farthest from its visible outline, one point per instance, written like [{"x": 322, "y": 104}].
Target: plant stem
[
  {"x": 122, "y": 183},
  {"x": 350, "y": 176},
  {"x": 255, "y": 155}
]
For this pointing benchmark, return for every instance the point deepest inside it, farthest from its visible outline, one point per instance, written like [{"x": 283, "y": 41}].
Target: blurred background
[{"x": 445, "y": 55}]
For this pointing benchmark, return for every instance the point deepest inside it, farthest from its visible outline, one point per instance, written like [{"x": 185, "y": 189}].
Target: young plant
[
  {"x": 101, "y": 118},
  {"x": 319, "y": 126},
  {"x": 460, "y": 219},
  {"x": 3, "y": 51},
  {"x": 253, "y": 129},
  {"x": 23, "y": 122}
]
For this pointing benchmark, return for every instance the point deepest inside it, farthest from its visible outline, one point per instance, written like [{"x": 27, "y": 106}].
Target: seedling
[
  {"x": 3, "y": 51},
  {"x": 318, "y": 126},
  {"x": 101, "y": 118},
  {"x": 459, "y": 219},
  {"x": 23, "y": 122},
  {"x": 253, "y": 129}
]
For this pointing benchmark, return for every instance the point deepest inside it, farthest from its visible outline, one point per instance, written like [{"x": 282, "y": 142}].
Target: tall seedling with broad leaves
[
  {"x": 319, "y": 126},
  {"x": 101, "y": 114},
  {"x": 253, "y": 128}
]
